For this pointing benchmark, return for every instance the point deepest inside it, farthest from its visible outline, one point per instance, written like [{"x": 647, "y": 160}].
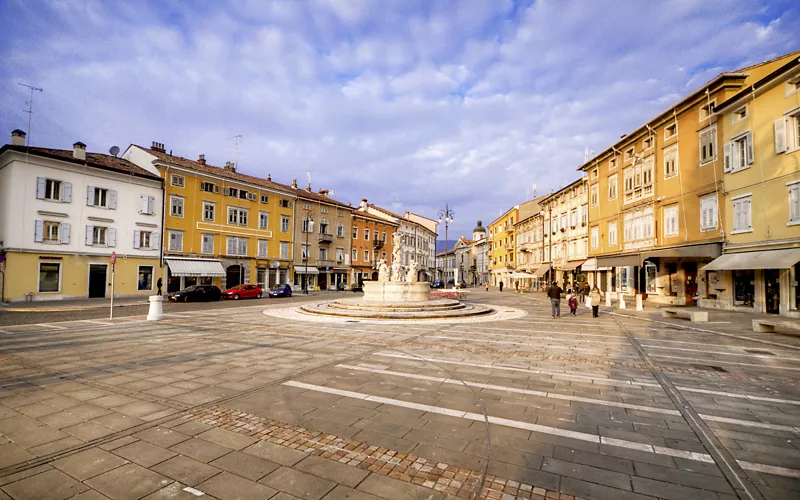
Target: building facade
[
  {"x": 222, "y": 227},
  {"x": 372, "y": 240},
  {"x": 567, "y": 218},
  {"x": 62, "y": 215},
  {"x": 416, "y": 236},
  {"x": 501, "y": 246},
  {"x": 447, "y": 267}
]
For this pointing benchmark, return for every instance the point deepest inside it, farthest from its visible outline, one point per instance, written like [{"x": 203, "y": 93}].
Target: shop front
[
  {"x": 305, "y": 277},
  {"x": 183, "y": 272}
]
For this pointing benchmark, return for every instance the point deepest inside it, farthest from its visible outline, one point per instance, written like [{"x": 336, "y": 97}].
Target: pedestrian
[
  {"x": 594, "y": 299},
  {"x": 573, "y": 304},
  {"x": 516, "y": 284},
  {"x": 501, "y": 285},
  {"x": 158, "y": 284},
  {"x": 487, "y": 285},
  {"x": 554, "y": 292},
  {"x": 583, "y": 290}
]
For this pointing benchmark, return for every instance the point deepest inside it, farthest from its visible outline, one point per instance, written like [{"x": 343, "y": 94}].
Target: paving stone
[
  {"x": 201, "y": 450},
  {"x": 669, "y": 491},
  {"x": 90, "y": 495},
  {"x": 227, "y": 486},
  {"x": 128, "y": 482},
  {"x": 584, "y": 489},
  {"x": 683, "y": 477},
  {"x": 387, "y": 487},
  {"x": 332, "y": 470},
  {"x": 275, "y": 453},
  {"x": 117, "y": 421},
  {"x": 186, "y": 470},
  {"x": 117, "y": 443},
  {"x": 87, "y": 411},
  {"x": 587, "y": 473},
  {"x": 32, "y": 471},
  {"x": 55, "y": 446},
  {"x": 37, "y": 410},
  {"x": 385, "y": 441},
  {"x": 162, "y": 436},
  {"x": 437, "y": 439},
  {"x": 594, "y": 460},
  {"x": 227, "y": 438},
  {"x": 298, "y": 483},
  {"x": 192, "y": 428},
  {"x": 88, "y": 431},
  {"x": 144, "y": 453},
  {"x": 49, "y": 485},
  {"x": 86, "y": 464},
  {"x": 246, "y": 465},
  {"x": 345, "y": 493},
  {"x": 61, "y": 419}
]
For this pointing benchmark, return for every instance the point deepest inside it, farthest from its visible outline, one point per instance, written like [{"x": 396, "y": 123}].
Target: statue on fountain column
[
  {"x": 397, "y": 271},
  {"x": 411, "y": 274},
  {"x": 383, "y": 271}
]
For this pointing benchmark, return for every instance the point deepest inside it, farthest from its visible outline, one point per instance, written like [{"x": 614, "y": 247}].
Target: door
[
  {"x": 261, "y": 278},
  {"x": 772, "y": 290},
  {"x": 690, "y": 269},
  {"x": 323, "y": 281},
  {"x": 233, "y": 276},
  {"x": 97, "y": 281}
]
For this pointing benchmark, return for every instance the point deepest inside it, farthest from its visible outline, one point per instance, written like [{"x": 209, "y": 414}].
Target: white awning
[
  {"x": 520, "y": 275},
  {"x": 573, "y": 264},
  {"x": 195, "y": 267},
  {"x": 541, "y": 271},
  {"x": 765, "y": 259},
  {"x": 306, "y": 270}
]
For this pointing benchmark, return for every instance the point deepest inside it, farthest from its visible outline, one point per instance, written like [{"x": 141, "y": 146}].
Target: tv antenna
[
  {"x": 114, "y": 150},
  {"x": 238, "y": 139},
  {"x": 30, "y": 107},
  {"x": 308, "y": 174}
]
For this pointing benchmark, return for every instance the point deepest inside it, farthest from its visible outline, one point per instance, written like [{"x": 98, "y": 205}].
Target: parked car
[
  {"x": 245, "y": 291},
  {"x": 281, "y": 291},
  {"x": 197, "y": 293},
  {"x": 437, "y": 284}
]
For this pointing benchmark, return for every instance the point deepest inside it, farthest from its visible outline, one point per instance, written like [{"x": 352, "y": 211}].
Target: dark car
[
  {"x": 281, "y": 291},
  {"x": 246, "y": 291},
  {"x": 197, "y": 293},
  {"x": 437, "y": 284}
]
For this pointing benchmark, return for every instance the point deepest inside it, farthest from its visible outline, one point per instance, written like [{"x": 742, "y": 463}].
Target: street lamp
[
  {"x": 550, "y": 239},
  {"x": 448, "y": 216},
  {"x": 309, "y": 226}
]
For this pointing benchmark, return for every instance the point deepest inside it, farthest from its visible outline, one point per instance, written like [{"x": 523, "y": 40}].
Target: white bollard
[
  {"x": 622, "y": 300},
  {"x": 156, "y": 312},
  {"x": 608, "y": 299},
  {"x": 639, "y": 306}
]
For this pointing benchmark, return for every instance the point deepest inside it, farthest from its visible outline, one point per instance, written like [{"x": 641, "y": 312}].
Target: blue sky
[{"x": 411, "y": 104}]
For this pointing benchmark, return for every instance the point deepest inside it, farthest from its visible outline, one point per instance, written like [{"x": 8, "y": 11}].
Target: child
[{"x": 573, "y": 304}]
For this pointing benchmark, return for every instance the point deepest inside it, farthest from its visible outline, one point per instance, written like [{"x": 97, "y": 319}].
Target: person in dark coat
[
  {"x": 555, "y": 292},
  {"x": 584, "y": 291},
  {"x": 158, "y": 284},
  {"x": 501, "y": 286}
]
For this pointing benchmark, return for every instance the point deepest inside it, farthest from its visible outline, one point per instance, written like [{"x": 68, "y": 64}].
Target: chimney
[
  {"x": 294, "y": 183},
  {"x": 18, "y": 138},
  {"x": 202, "y": 160},
  {"x": 363, "y": 205},
  {"x": 158, "y": 146},
  {"x": 230, "y": 167},
  {"x": 323, "y": 192},
  {"x": 79, "y": 151}
]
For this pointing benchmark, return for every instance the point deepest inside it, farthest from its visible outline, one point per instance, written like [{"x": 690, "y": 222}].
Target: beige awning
[
  {"x": 573, "y": 264},
  {"x": 541, "y": 271},
  {"x": 706, "y": 250},
  {"x": 765, "y": 259},
  {"x": 520, "y": 275},
  {"x": 195, "y": 267},
  {"x": 305, "y": 270},
  {"x": 618, "y": 261}
]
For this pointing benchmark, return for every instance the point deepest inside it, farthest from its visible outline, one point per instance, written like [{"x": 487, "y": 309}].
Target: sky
[{"x": 414, "y": 104}]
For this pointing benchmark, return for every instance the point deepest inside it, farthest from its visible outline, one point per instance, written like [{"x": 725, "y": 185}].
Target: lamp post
[
  {"x": 448, "y": 216},
  {"x": 309, "y": 223},
  {"x": 549, "y": 238}
]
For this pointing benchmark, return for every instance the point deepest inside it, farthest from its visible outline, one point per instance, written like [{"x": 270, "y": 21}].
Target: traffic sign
[{"x": 113, "y": 257}]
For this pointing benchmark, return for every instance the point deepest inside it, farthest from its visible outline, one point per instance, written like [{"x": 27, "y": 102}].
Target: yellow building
[
  {"x": 502, "y": 247},
  {"x": 760, "y": 132},
  {"x": 221, "y": 227},
  {"x": 655, "y": 196}
]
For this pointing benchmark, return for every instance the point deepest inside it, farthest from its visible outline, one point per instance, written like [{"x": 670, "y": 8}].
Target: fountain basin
[{"x": 376, "y": 291}]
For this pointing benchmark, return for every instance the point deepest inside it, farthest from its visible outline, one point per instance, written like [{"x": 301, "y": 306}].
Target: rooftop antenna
[
  {"x": 30, "y": 107},
  {"x": 586, "y": 154},
  {"x": 534, "y": 190},
  {"x": 238, "y": 139},
  {"x": 114, "y": 150}
]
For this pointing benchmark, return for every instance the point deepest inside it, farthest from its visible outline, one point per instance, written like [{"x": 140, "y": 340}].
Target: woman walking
[{"x": 595, "y": 296}]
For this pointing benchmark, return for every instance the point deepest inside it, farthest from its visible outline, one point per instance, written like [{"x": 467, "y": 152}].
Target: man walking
[
  {"x": 554, "y": 292},
  {"x": 501, "y": 285},
  {"x": 584, "y": 291}
]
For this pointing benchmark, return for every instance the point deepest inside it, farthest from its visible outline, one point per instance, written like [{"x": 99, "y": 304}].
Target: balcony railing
[
  {"x": 325, "y": 237},
  {"x": 377, "y": 244}
]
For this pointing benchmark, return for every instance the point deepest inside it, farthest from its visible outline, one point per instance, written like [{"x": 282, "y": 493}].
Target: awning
[
  {"x": 765, "y": 259},
  {"x": 341, "y": 269},
  {"x": 707, "y": 250},
  {"x": 541, "y": 271},
  {"x": 195, "y": 267},
  {"x": 520, "y": 275},
  {"x": 591, "y": 265},
  {"x": 306, "y": 270},
  {"x": 573, "y": 264},
  {"x": 618, "y": 261}
]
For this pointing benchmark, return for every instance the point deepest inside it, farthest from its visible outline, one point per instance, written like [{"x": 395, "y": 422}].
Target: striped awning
[
  {"x": 195, "y": 267},
  {"x": 306, "y": 270}
]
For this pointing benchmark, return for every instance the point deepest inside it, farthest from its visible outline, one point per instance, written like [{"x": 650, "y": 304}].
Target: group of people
[{"x": 554, "y": 292}]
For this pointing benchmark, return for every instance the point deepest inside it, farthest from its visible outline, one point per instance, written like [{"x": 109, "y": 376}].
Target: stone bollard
[
  {"x": 622, "y": 300},
  {"x": 608, "y": 299},
  {"x": 156, "y": 312},
  {"x": 639, "y": 306}
]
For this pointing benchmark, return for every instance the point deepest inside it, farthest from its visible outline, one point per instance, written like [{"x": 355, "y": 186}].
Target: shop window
[
  {"x": 650, "y": 278},
  {"x": 145, "y": 281},
  {"x": 744, "y": 287},
  {"x": 794, "y": 285},
  {"x": 49, "y": 277}
]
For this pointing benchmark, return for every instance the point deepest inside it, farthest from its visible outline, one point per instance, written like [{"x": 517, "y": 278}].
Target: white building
[{"x": 417, "y": 237}]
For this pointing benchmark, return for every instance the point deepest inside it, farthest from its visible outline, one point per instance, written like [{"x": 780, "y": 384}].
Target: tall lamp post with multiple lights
[
  {"x": 309, "y": 226},
  {"x": 448, "y": 216}
]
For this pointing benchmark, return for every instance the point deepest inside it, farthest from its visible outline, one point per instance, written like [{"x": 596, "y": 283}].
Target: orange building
[{"x": 372, "y": 241}]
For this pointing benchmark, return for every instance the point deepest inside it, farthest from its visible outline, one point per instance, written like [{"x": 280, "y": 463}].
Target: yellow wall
[{"x": 503, "y": 241}]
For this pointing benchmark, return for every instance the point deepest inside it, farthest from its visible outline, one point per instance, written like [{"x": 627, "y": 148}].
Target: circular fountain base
[{"x": 366, "y": 309}]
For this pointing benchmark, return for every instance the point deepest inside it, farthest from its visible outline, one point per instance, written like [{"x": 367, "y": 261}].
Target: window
[
  {"x": 355, "y": 233},
  {"x": 706, "y": 110},
  {"x": 244, "y": 194},
  {"x": 263, "y": 220},
  {"x": 366, "y": 255},
  {"x": 647, "y": 143},
  {"x": 671, "y": 162},
  {"x": 208, "y": 211},
  {"x": 638, "y": 225},
  {"x": 339, "y": 255},
  {"x": 612, "y": 164},
  {"x": 101, "y": 197},
  {"x": 366, "y": 234},
  {"x": 145, "y": 281},
  {"x": 595, "y": 237},
  {"x": 742, "y": 214},
  {"x": 237, "y": 216},
  {"x": 284, "y": 224},
  {"x": 787, "y": 133},
  {"x": 323, "y": 226},
  {"x": 708, "y": 212},
  {"x": 383, "y": 237},
  {"x": 595, "y": 195},
  {"x": 340, "y": 230},
  {"x": 708, "y": 145},
  {"x": 739, "y": 115},
  {"x": 99, "y": 235},
  {"x": 208, "y": 243},
  {"x": 791, "y": 87},
  {"x": 794, "y": 203},
  {"x": 236, "y": 245},
  {"x": 176, "y": 241},
  {"x": 739, "y": 153},
  {"x": 209, "y": 187},
  {"x": 284, "y": 250},
  {"x": 147, "y": 205},
  {"x": 176, "y": 206},
  {"x": 49, "y": 277},
  {"x": 670, "y": 131},
  {"x": 612, "y": 233},
  {"x": 285, "y": 204},
  {"x": 142, "y": 239},
  {"x": 308, "y": 225},
  {"x": 671, "y": 221},
  {"x": 177, "y": 180},
  {"x": 262, "y": 248},
  {"x": 324, "y": 210},
  {"x": 612, "y": 187},
  {"x": 305, "y": 252},
  {"x": 323, "y": 254},
  {"x": 306, "y": 206},
  {"x": 629, "y": 154},
  {"x": 264, "y": 199},
  {"x": 354, "y": 257},
  {"x": 595, "y": 174},
  {"x": 51, "y": 232}
]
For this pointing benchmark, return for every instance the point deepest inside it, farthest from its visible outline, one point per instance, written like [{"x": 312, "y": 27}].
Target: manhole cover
[
  {"x": 759, "y": 351},
  {"x": 710, "y": 368}
]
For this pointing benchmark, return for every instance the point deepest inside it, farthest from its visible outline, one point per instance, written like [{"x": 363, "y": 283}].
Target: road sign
[
  {"x": 113, "y": 257},
  {"x": 2, "y": 257}
]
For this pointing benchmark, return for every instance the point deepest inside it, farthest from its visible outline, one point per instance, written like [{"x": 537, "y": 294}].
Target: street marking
[
  {"x": 750, "y": 423},
  {"x": 727, "y": 362},
  {"x": 543, "y": 429},
  {"x": 96, "y": 322},
  {"x": 514, "y": 390},
  {"x": 193, "y": 491},
  {"x": 47, "y": 325},
  {"x": 742, "y": 354}
]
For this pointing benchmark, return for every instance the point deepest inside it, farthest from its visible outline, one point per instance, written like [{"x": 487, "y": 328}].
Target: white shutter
[
  {"x": 38, "y": 232},
  {"x": 111, "y": 237},
  {"x": 112, "y": 199},
  {"x": 90, "y": 196},
  {"x": 151, "y": 205},
  {"x": 41, "y": 185},
  {"x": 780, "y": 135},
  {"x": 155, "y": 241},
  {"x": 89, "y": 234},
  {"x": 749, "y": 148},
  {"x": 794, "y": 203},
  {"x": 747, "y": 215},
  {"x": 727, "y": 148},
  {"x": 231, "y": 246},
  {"x": 143, "y": 204},
  {"x": 66, "y": 192},
  {"x": 136, "y": 237},
  {"x": 65, "y": 227}
]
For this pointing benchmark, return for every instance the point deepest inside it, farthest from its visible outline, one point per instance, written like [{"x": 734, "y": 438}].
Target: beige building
[{"x": 566, "y": 219}]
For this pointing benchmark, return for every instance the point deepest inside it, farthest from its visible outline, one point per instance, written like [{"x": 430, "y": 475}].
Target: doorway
[
  {"x": 772, "y": 290},
  {"x": 233, "y": 276},
  {"x": 323, "y": 281},
  {"x": 97, "y": 281},
  {"x": 690, "y": 271}
]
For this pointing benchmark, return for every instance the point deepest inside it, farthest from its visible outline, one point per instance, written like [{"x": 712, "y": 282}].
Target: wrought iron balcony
[
  {"x": 325, "y": 237},
  {"x": 377, "y": 244}
]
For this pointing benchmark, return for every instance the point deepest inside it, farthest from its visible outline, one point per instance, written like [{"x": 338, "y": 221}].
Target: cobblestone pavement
[{"x": 232, "y": 403}]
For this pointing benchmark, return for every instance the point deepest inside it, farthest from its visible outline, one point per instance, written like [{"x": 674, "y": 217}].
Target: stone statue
[
  {"x": 411, "y": 273},
  {"x": 397, "y": 272},
  {"x": 383, "y": 271}
]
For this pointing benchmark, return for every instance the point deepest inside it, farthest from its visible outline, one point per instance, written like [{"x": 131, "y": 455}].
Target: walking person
[
  {"x": 487, "y": 285},
  {"x": 594, "y": 299},
  {"x": 573, "y": 303},
  {"x": 584, "y": 291},
  {"x": 501, "y": 286},
  {"x": 554, "y": 292}
]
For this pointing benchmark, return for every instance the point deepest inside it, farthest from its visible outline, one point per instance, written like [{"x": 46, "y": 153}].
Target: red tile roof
[{"x": 97, "y": 160}]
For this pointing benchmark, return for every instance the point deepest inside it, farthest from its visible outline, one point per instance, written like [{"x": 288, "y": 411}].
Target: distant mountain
[{"x": 440, "y": 245}]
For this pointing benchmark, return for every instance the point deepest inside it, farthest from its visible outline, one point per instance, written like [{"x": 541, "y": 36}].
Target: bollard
[
  {"x": 639, "y": 306},
  {"x": 622, "y": 300},
  {"x": 608, "y": 299},
  {"x": 156, "y": 312}
]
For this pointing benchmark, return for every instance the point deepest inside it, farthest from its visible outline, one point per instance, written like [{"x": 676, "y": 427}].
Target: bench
[
  {"x": 691, "y": 315},
  {"x": 769, "y": 325}
]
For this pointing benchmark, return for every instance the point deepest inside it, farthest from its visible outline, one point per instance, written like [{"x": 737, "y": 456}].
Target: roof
[
  {"x": 448, "y": 252},
  {"x": 564, "y": 189},
  {"x": 96, "y": 160},
  {"x": 380, "y": 209},
  {"x": 311, "y": 195},
  {"x": 466, "y": 240},
  {"x": 758, "y": 85},
  {"x": 367, "y": 215},
  {"x": 515, "y": 207}
]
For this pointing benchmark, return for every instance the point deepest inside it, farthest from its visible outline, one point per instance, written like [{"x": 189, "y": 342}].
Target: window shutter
[
  {"x": 136, "y": 239},
  {"x": 151, "y": 205},
  {"x": 216, "y": 189},
  {"x": 749, "y": 148},
  {"x": 90, "y": 196},
  {"x": 727, "y": 148},
  {"x": 780, "y": 135},
  {"x": 746, "y": 215},
  {"x": 143, "y": 204},
  {"x": 65, "y": 227},
  {"x": 66, "y": 192},
  {"x": 112, "y": 199},
  {"x": 89, "y": 234},
  {"x": 155, "y": 240},
  {"x": 38, "y": 232},
  {"x": 41, "y": 185},
  {"x": 111, "y": 238}
]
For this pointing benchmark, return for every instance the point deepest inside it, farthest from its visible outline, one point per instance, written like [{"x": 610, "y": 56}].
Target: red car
[{"x": 246, "y": 291}]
